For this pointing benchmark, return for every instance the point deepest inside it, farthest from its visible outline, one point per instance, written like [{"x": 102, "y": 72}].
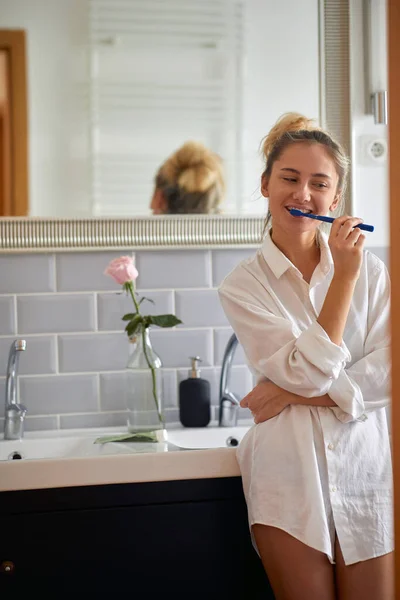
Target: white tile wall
[{"x": 69, "y": 312}]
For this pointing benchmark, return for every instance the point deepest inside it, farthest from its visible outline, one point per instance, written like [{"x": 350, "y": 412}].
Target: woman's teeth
[{"x": 303, "y": 210}]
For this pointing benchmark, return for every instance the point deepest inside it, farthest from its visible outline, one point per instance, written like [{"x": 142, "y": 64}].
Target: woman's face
[{"x": 304, "y": 177}]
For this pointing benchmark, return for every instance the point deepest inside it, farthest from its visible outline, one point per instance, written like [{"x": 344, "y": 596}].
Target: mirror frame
[{"x": 22, "y": 234}]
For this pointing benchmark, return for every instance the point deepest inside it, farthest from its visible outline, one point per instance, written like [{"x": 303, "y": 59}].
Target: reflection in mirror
[
  {"x": 190, "y": 181},
  {"x": 117, "y": 87}
]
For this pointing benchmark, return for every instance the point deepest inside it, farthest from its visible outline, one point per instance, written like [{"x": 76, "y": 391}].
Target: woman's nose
[{"x": 302, "y": 194}]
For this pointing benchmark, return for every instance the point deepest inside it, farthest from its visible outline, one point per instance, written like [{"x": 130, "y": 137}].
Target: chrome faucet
[
  {"x": 228, "y": 402},
  {"x": 14, "y": 413}
]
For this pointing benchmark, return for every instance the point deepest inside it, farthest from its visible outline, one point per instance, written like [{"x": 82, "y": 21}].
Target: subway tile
[
  {"x": 55, "y": 313},
  {"x": 59, "y": 394},
  {"x": 224, "y": 261},
  {"x": 40, "y": 423},
  {"x": 38, "y": 358},
  {"x": 221, "y": 338},
  {"x": 93, "y": 352},
  {"x": 111, "y": 307},
  {"x": 25, "y": 273},
  {"x": 113, "y": 388},
  {"x": 117, "y": 419},
  {"x": 199, "y": 308},
  {"x": 175, "y": 346},
  {"x": 174, "y": 269},
  {"x": 84, "y": 271},
  {"x": 7, "y": 315},
  {"x": 171, "y": 415}
]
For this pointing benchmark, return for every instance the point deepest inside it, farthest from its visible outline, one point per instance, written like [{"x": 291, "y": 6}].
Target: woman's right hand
[
  {"x": 346, "y": 242},
  {"x": 265, "y": 401}
]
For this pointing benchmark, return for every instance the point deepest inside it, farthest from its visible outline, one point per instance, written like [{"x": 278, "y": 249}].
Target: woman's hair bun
[
  {"x": 287, "y": 122},
  {"x": 193, "y": 168}
]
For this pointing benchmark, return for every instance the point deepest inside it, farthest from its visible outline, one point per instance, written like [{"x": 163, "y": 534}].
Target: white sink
[
  {"x": 207, "y": 437},
  {"x": 79, "y": 445}
]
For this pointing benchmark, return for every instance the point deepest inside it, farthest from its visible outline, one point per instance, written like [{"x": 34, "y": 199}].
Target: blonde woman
[
  {"x": 190, "y": 181},
  {"x": 311, "y": 312}
]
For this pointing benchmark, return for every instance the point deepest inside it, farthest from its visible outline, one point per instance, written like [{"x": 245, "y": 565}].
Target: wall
[
  {"x": 370, "y": 192},
  {"x": 69, "y": 312},
  {"x": 281, "y": 74}
]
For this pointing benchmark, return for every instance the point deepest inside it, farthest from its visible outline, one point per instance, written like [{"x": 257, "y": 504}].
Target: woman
[
  {"x": 190, "y": 181},
  {"x": 311, "y": 313}
]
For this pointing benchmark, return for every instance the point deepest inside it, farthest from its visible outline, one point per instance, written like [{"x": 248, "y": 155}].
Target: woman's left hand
[{"x": 265, "y": 401}]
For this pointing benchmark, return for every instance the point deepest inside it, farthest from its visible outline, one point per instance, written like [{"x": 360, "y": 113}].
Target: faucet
[
  {"x": 228, "y": 402},
  {"x": 14, "y": 413}
]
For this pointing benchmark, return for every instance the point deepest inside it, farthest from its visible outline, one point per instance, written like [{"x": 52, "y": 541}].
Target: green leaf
[
  {"x": 148, "y": 300},
  {"x": 129, "y": 316},
  {"x": 147, "y": 320},
  {"x": 145, "y": 436},
  {"x": 165, "y": 320},
  {"x": 134, "y": 325}
]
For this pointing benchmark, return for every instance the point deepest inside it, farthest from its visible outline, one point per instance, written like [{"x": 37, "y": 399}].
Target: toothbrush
[{"x": 298, "y": 213}]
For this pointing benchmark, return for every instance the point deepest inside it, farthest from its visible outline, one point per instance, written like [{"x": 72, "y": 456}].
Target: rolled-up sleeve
[
  {"x": 305, "y": 363},
  {"x": 365, "y": 385}
]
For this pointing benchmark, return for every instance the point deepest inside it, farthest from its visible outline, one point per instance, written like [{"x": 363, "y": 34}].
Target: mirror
[{"x": 115, "y": 87}]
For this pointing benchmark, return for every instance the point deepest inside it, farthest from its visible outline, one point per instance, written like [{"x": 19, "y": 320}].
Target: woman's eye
[
  {"x": 320, "y": 185},
  {"x": 290, "y": 179}
]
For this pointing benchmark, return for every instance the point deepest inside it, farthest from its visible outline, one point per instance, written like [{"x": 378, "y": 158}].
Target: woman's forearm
[
  {"x": 324, "y": 400},
  {"x": 334, "y": 312}
]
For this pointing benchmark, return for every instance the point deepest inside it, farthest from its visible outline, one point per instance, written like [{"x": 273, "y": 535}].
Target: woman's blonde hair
[
  {"x": 192, "y": 180},
  {"x": 293, "y": 128}
]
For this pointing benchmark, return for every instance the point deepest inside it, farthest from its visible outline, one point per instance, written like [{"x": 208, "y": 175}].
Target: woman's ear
[
  {"x": 264, "y": 186},
  {"x": 335, "y": 203}
]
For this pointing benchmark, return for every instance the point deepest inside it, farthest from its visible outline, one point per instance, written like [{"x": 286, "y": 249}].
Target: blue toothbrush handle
[{"x": 298, "y": 213}]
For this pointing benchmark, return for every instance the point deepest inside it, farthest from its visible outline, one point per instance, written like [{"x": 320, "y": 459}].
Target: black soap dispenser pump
[{"x": 194, "y": 398}]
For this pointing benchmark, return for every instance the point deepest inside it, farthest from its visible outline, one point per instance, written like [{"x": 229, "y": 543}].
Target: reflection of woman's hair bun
[
  {"x": 193, "y": 168},
  {"x": 287, "y": 122},
  {"x": 192, "y": 180}
]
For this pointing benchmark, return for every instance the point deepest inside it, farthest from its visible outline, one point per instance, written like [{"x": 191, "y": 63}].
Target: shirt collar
[{"x": 279, "y": 263}]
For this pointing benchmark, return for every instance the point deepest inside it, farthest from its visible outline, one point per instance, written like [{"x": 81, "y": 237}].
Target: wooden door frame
[
  {"x": 393, "y": 24},
  {"x": 14, "y": 41}
]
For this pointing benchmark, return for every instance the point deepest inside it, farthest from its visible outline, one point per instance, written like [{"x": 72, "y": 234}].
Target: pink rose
[{"x": 122, "y": 270}]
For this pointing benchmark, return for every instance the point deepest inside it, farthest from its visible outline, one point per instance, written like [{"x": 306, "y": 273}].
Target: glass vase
[{"x": 143, "y": 385}]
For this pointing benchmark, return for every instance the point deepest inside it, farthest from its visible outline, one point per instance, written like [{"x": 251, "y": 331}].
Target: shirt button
[
  {"x": 333, "y": 489},
  {"x": 331, "y": 446}
]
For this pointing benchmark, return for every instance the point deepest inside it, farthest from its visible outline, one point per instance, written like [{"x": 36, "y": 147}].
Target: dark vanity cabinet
[{"x": 182, "y": 540}]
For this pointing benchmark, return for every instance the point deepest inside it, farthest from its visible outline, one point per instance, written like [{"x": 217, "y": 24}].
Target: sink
[
  {"x": 74, "y": 446},
  {"x": 207, "y": 437},
  {"x": 80, "y": 443}
]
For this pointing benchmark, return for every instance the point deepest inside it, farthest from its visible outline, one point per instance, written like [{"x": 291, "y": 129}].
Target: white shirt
[{"x": 313, "y": 470}]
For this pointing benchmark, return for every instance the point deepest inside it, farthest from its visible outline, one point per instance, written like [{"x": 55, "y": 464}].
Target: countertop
[{"x": 157, "y": 462}]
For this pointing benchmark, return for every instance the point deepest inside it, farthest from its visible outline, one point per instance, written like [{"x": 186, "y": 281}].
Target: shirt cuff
[
  {"x": 349, "y": 399},
  {"x": 317, "y": 348}
]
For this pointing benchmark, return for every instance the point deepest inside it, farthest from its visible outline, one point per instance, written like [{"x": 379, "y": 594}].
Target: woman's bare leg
[
  {"x": 295, "y": 571},
  {"x": 371, "y": 579}
]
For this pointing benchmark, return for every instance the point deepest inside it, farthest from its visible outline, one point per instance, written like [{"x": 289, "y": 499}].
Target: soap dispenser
[{"x": 194, "y": 398}]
